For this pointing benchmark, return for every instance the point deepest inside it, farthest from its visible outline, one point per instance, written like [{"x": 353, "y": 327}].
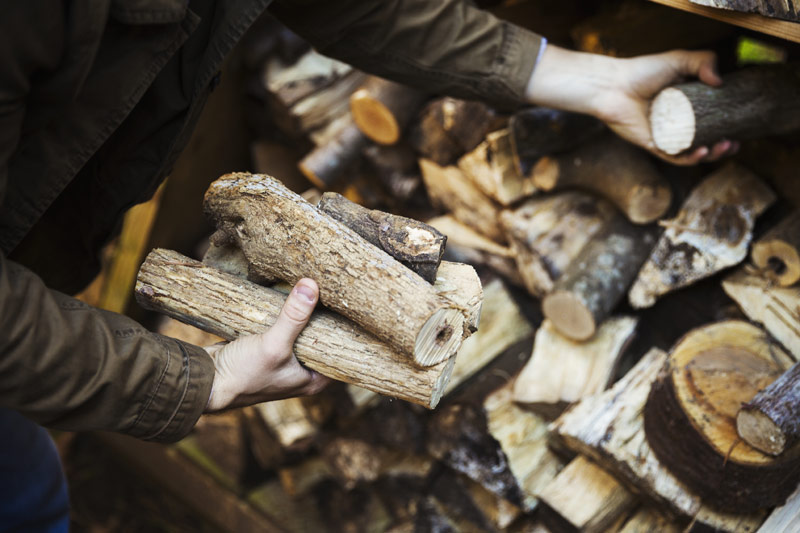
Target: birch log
[
  {"x": 778, "y": 252},
  {"x": 382, "y": 108},
  {"x": 784, "y": 519},
  {"x": 284, "y": 236},
  {"x": 711, "y": 232},
  {"x": 230, "y": 307}
]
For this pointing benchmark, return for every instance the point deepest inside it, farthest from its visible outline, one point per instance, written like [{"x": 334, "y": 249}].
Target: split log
[
  {"x": 753, "y": 102},
  {"x": 770, "y": 422},
  {"x": 597, "y": 279},
  {"x": 774, "y": 307},
  {"x": 540, "y": 131},
  {"x": 396, "y": 168},
  {"x": 647, "y": 520},
  {"x": 449, "y": 127},
  {"x": 778, "y": 252},
  {"x": 469, "y": 503},
  {"x": 353, "y": 460},
  {"x": 415, "y": 244},
  {"x": 230, "y": 307},
  {"x": 382, "y": 108},
  {"x": 491, "y": 167},
  {"x": 781, "y": 9},
  {"x": 290, "y": 421},
  {"x": 690, "y": 414},
  {"x": 459, "y": 283},
  {"x": 561, "y": 372},
  {"x": 328, "y": 162},
  {"x": 283, "y": 236},
  {"x": 450, "y": 189},
  {"x": 609, "y": 428},
  {"x": 785, "y": 518},
  {"x": 583, "y": 497},
  {"x": 547, "y": 234},
  {"x": 614, "y": 169},
  {"x": 711, "y": 232}
]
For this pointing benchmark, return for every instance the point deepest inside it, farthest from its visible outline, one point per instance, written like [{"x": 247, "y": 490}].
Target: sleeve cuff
[{"x": 515, "y": 63}]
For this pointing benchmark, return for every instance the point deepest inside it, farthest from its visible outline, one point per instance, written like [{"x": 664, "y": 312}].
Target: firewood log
[
  {"x": 597, "y": 279},
  {"x": 298, "y": 480},
  {"x": 415, "y": 244},
  {"x": 583, "y": 497},
  {"x": 287, "y": 513},
  {"x": 781, "y": 9},
  {"x": 778, "y": 252},
  {"x": 356, "y": 510},
  {"x": 327, "y": 162},
  {"x": 229, "y": 306},
  {"x": 382, "y": 108},
  {"x": 613, "y": 169},
  {"x": 353, "y": 460},
  {"x": 277, "y": 159},
  {"x": 264, "y": 445},
  {"x": 282, "y": 235},
  {"x": 752, "y": 102},
  {"x": 770, "y": 422},
  {"x": 711, "y": 232},
  {"x": 472, "y": 505},
  {"x": 228, "y": 258},
  {"x": 396, "y": 167},
  {"x": 290, "y": 421},
  {"x": 690, "y": 414},
  {"x": 648, "y": 520},
  {"x": 784, "y": 519},
  {"x": 609, "y": 428},
  {"x": 547, "y": 234},
  {"x": 491, "y": 167},
  {"x": 561, "y": 371},
  {"x": 218, "y": 446}
]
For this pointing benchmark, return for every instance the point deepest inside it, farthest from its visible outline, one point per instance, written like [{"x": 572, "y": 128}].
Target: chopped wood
[
  {"x": 264, "y": 444},
  {"x": 415, "y": 244},
  {"x": 312, "y": 72},
  {"x": 326, "y": 163},
  {"x": 382, "y": 108},
  {"x": 298, "y": 480},
  {"x": 290, "y": 421},
  {"x": 227, "y": 257},
  {"x": 547, "y": 234},
  {"x": 561, "y": 371},
  {"x": 471, "y": 504},
  {"x": 230, "y": 307},
  {"x": 396, "y": 167},
  {"x": 770, "y": 422},
  {"x": 777, "y": 253},
  {"x": 284, "y": 236},
  {"x": 648, "y": 520},
  {"x": 276, "y": 159},
  {"x": 614, "y": 169},
  {"x": 690, "y": 415},
  {"x": 492, "y": 168},
  {"x": 583, "y": 497},
  {"x": 753, "y": 102},
  {"x": 711, "y": 232},
  {"x": 353, "y": 460},
  {"x": 784, "y": 519},
  {"x": 781, "y": 9}
]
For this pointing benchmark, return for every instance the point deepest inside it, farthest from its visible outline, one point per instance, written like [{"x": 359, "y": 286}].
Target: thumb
[{"x": 294, "y": 315}]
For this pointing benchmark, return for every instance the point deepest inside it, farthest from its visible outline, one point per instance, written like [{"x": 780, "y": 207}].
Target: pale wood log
[
  {"x": 282, "y": 235},
  {"x": 690, "y": 415},
  {"x": 777, "y": 253},
  {"x": 583, "y": 497},
  {"x": 774, "y": 307},
  {"x": 312, "y": 72},
  {"x": 609, "y": 428},
  {"x": 547, "y": 234},
  {"x": 396, "y": 167},
  {"x": 492, "y": 168},
  {"x": 597, "y": 279},
  {"x": 561, "y": 371},
  {"x": 770, "y": 422},
  {"x": 614, "y": 169},
  {"x": 353, "y": 461},
  {"x": 229, "y": 306},
  {"x": 178, "y": 330},
  {"x": 382, "y": 108},
  {"x": 751, "y": 103},
  {"x": 712, "y": 231},
  {"x": 784, "y": 519},
  {"x": 326, "y": 163},
  {"x": 415, "y": 244},
  {"x": 290, "y": 421},
  {"x": 264, "y": 445},
  {"x": 648, "y": 520},
  {"x": 227, "y": 257},
  {"x": 782, "y": 9}
]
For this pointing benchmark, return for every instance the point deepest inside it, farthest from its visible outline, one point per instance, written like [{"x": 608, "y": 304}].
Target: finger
[
  {"x": 691, "y": 158},
  {"x": 702, "y": 64},
  {"x": 294, "y": 316},
  {"x": 719, "y": 150}
]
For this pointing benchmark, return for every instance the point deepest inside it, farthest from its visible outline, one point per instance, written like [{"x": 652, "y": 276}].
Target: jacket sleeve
[{"x": 446, "y": 46}]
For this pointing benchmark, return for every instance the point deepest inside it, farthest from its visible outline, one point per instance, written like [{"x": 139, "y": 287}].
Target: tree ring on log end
[
  {"x": 440, "y": 337},
  {"x": 648, "y": 204},
  {"x": 779, "y": 260},
  {"x": 373, "y": 118},
  {"x": 672, "y": 121},
  {"x": 569, "y": 315}
]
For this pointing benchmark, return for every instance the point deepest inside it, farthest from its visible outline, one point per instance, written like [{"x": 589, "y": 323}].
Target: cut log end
[
  {"x": 759, "y": 431},
  {"x": 545, "y": 173},
  {"x": 648, "y": 204},
  {"x": 778, "y": 260},
  {"x": 312, "y": 176},
  {"x": 440, "y": 337},
  {"x": 373, "y": 118},
  {"x": 569, "y": 315},
  {"x": 672, "y": 121}
]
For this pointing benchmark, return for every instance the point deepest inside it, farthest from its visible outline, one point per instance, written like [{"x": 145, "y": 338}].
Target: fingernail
[{"x": 307, "y": 293}]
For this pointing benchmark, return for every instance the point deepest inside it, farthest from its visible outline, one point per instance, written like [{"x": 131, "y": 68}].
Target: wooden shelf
[{"x": 778, "y": 28}]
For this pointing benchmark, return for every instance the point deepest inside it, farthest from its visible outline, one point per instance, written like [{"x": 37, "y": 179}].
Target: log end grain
[
  {"x": 569, "y": 315},
  {"x": 672, "y": 121},
  {"x": 440, "y": 337},
  {"x": 545, "y": 173},
  {"x": 778, "y": 260},
  {"x": 373, "y": 118},
  {"x": 647, "y": 204},
  {"x": 760, "y": 432}
]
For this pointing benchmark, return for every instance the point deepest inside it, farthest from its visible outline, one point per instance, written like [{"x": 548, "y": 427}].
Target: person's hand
[
  {"x": 619, "y": 91},
  {"x": 261, "y": 368}
]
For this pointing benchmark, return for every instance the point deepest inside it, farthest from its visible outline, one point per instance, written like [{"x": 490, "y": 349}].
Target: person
[{"x": 97, "y": 99}]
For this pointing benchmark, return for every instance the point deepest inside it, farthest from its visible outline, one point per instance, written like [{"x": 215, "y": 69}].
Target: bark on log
[
  {"x": 711, "y": 232},
  {"x": 781, "y": 9},
  {"x": 609, "y": 428},
  {"x": 382, "y": 109},
  {"x": 415, "y": 244},
  {"x": 770, "y": 422},
  {"x": 328, "y": 162},
  {"x": 597, "y": 279},
  {"x": 397, "y": 169},
  {"x": 751, "y": 103},
  {"x": 491, "y": 167},
  {"x": 282, "y": 235},
  {"x": 690, "y": 414},
  {"x": 614, "y": 169},
  {"x": 547, "y": 234},
  {"x": 583, "y": 497},
  {"x": 332, "y": 345},
  {"x": 778, "y": 252},
  {"x": 561, "y": 372},
  {"x": 227, "y": 257}
]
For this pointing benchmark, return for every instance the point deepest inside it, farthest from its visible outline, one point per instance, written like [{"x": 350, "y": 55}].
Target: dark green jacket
[{"x": 97, "y": 98}]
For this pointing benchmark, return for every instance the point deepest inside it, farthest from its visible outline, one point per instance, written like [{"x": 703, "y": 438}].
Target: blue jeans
[{"x": 33, "y": 489}]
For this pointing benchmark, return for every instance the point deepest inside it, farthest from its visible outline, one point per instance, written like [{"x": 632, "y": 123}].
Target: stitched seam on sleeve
[
  {"x": 153, "y": 394},
  {"x": 187, "y": 373}
]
